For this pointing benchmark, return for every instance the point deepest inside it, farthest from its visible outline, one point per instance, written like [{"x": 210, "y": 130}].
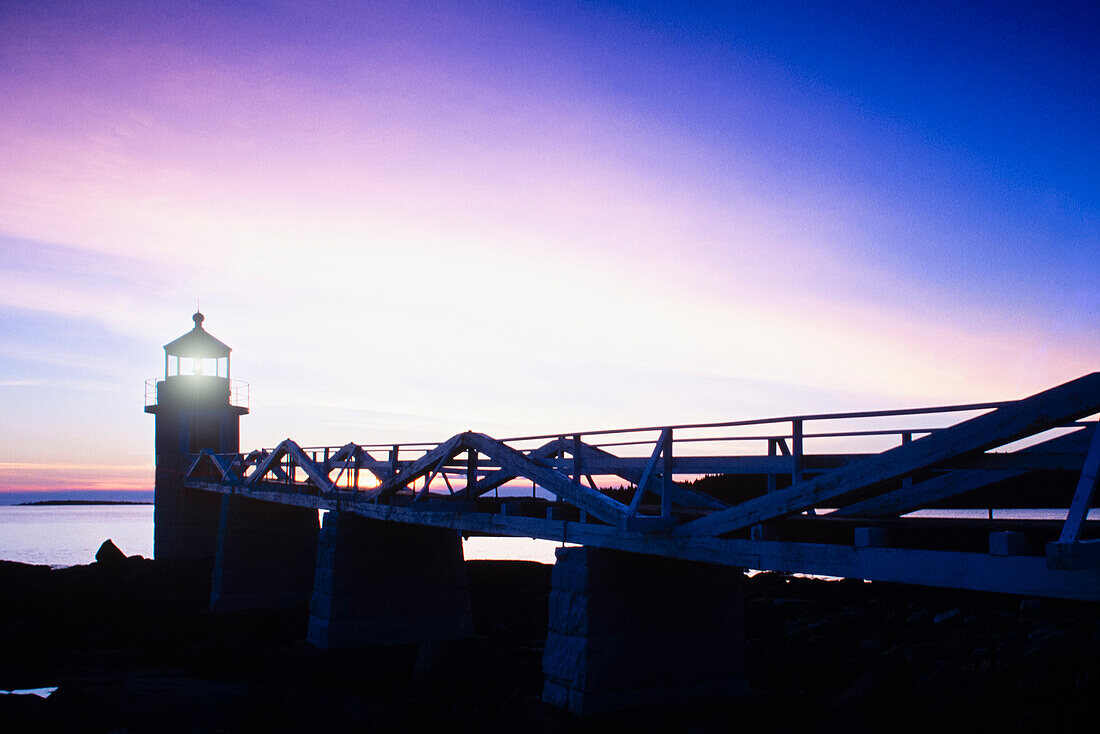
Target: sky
[{"x": 414, "y": 219}]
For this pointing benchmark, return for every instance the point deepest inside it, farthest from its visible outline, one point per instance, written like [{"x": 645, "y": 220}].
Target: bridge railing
[
  {"x": 785, "y": 448},
  {"x": 625, "y": 488},
  {"x": 644, "y": 462}
]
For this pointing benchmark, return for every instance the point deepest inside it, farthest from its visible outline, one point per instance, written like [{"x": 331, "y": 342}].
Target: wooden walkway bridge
[
  {"x": 657, "y": 522},
  {"x": 830, "y": 494}
]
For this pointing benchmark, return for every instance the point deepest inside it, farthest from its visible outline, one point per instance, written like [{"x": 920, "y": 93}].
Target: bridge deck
[{"x": 823, "y": 494}]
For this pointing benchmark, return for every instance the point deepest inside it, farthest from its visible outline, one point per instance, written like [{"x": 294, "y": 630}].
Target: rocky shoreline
[{"x": 131, "y": 646}]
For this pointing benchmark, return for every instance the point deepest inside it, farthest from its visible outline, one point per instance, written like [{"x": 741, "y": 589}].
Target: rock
[
  {"x": 109, "y": 554},
  {"x": 926, "y": 653},
  {"x": 889, "y": 673},
  {"x": 1039, "y": 634},
  {"x": 868, "y": 643},
  {"x": 1031, "y": 606},
  {"x": 899, "y": 650},
  {"x": 921, "y": 616},
  {"x": 436, "y": 660},
  {"x": 946, "y": 616}
]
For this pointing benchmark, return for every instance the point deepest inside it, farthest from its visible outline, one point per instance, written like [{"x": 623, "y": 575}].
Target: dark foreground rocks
[{"x": 131, "y": 646}]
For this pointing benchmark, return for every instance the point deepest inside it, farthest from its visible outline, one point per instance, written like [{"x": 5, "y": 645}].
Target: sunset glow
[{"x": 413, "y": 220}]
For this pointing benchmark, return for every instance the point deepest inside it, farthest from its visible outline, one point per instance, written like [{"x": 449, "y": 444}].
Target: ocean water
[{"x": 70, "y": 535}]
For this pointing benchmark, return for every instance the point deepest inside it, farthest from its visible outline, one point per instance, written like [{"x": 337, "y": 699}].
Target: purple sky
[{"x": 529, "y": 217}]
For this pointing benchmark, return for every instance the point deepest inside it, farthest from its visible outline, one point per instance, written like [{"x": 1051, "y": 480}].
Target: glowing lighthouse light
[{"x": 196, "y": 354}]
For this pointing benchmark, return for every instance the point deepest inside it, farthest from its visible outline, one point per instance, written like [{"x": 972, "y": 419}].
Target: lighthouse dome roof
[{"x": 197, "y": 343}]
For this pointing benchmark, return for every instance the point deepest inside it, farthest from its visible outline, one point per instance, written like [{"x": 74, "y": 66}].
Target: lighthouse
[{"x": 197, "y": 406}]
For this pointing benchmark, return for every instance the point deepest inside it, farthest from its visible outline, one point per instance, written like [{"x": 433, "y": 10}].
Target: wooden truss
[{"x": 836, "y": 516}]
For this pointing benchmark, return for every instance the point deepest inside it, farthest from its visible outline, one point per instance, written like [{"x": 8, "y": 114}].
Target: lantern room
[
  {"x": 196, "y": 353},
  {"x": 196, "y": 371}
]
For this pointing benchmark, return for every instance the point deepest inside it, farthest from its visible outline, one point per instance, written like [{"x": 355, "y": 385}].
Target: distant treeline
[
  {"x": 80, "y": 502},
  {"x": 1050, "y": 489}
]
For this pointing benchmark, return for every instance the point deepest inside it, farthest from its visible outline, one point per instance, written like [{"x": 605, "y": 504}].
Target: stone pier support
[
  {"x": 629, "y": 631},
  {"x": 266, "y": 556},
  {"x": 386, "y": 583}
]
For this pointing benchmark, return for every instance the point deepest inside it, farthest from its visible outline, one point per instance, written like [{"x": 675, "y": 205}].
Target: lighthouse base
[{"x": 185, "y": 521}]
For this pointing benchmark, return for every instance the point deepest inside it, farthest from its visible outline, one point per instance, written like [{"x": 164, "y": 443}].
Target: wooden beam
[
  {"x": 344, "y": 453},
  {"x": 921, "y": 494},
  {"x": 594, "y": 503},
  {"x": 575, "y": 451},
  {"x": 643, "y": 483},
  {"x": 597, "y": 461},
  {"x": 1024, "y": 575},
  {"x": 494, "y": 479},
  {"x": 666, "y": 472},
  {"x": 269, "y": 462},
  {"x": 1048, "y": 409},
  {"x": 1082, "y": 496},
  {"x": 471, "y": 467},
  {"x": 624, "y": 466},
  {"x": 341, "y": 458},
  {"x": 796, "y": 451},
  {"x": 226, "y": 465},
  {"x": 772, "y": 451},
  {"x": 313, "y": 470},
  {"x": 443, "y": 452},
  {"x": 423, "y": 493},
  {"x": 195, "y": 463}
]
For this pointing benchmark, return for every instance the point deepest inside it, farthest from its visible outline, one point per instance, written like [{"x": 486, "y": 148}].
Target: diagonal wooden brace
[
  {"x": 443, "y": 452},
  {"x": 594, "y": 503},
  {"x": 1082, "y": 497},
  {"x": 901, "y": 501},
  {"x": 1048, "y": 409}
]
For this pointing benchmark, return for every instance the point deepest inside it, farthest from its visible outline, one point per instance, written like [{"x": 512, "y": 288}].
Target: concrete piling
[
  {"x": 265, "y": 556},
  {"x": 384, "y": 583},
  {"x": 629, "y": 631}
]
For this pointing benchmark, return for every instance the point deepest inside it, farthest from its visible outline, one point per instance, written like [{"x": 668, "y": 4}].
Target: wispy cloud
[{"x": 439, "y": 218}]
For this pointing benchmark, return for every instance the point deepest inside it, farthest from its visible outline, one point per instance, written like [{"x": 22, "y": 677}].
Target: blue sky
[{"x": 514, "y": 217}]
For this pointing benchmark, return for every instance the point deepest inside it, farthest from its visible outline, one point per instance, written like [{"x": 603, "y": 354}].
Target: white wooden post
[
  {"x": 358, "y": 454},
  {"x": 796, "y": 451},
  {"x": 666, "y": 473},
  {"x": 1082, "y": 497},
  {"x": 796, "y": 455},
  {"x": 773, "y": 449},
  {"x": 907, "y": 482},
  {"x": 576, "y": 457},
  {"x": 471, "y": 471}
]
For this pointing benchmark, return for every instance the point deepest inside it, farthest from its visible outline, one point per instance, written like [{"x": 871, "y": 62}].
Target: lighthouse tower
[{"x": 195, "y": 408}]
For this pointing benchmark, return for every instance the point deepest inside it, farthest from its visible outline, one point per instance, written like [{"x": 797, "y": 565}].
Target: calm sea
[
  {"x": 69, "y": 535},
  {"x": 64, "y": 535}
]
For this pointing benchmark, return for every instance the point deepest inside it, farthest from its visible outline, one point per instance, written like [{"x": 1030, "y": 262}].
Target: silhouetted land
[
  {"x": 132, "y": 647},
  {"x": 54, "y": 503},
  {"x": 1055, "y": 490}
]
